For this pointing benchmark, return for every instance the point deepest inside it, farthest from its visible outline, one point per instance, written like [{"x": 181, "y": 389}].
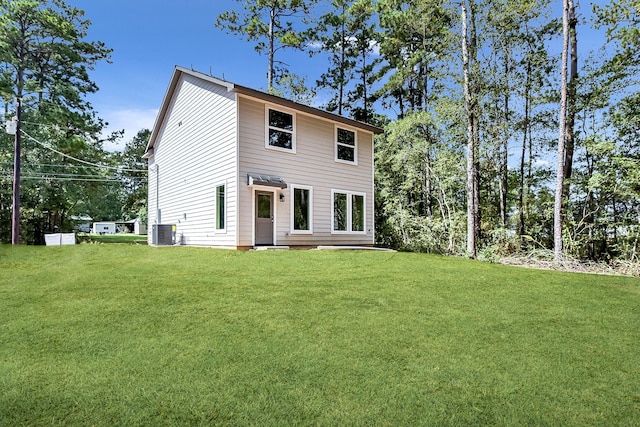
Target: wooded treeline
[
  {"x": 468, "y": 94},
  {"x": 45, "y": 62}
]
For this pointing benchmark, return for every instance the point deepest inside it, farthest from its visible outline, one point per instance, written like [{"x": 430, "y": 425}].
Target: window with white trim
[
  {"x": 347, "y": 212},
  {"x": 280, "y": 130},
  {"x": 221, "y": 207},
  {"x": 346, "y": 146},
  {"x": 301, "y": 209}
]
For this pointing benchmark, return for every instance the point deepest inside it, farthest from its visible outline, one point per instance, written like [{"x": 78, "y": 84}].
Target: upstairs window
[
  {"x": 346, "y": 146},
  {"x": 280, "y": 130}
]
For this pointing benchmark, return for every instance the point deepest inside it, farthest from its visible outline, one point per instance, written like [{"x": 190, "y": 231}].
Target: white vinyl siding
[
  {"x": 196, "y": 151},
  {"x": 314, "y": 165}
]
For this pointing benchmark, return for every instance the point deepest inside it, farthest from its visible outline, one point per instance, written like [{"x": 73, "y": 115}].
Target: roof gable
[{"x": 178, "y": 72}]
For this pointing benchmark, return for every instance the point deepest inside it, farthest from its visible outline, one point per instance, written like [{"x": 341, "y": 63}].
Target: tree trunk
[
  {"x": 589, "y": 209},
  {"x": 427, "y": 180},
  {"x": 504, "y": 167},
  {"x": 527, "y": 92},
  {"x": 400, "y": 104},
  {"x": 343, "y": 53},
  {"x": 364, "y": 85},
  {"x": 472, "y": 176},
  {"x": 20, "y": 81},
  {"x": 571, "y": 101},
  {"x": 473, "y": 56},
  {"x": 476, "y": 171},
  {"x": 270, "y": 71},
  {"x": 15, "y": 214},
  {"x": 557, "y": 208}
]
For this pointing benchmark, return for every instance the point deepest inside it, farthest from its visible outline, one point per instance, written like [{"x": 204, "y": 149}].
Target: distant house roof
[{"x": 232, "y": 87}]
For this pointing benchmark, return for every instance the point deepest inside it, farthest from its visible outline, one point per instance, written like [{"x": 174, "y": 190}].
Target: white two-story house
[{"x": 234, "y": 167}]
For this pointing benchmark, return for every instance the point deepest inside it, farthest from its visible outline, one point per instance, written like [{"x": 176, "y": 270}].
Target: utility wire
[
  {"x": 65, "y": 179},
  {"x": 59, "y": 166},
  {"x": 79, "y": 160},
  {"x": 79, "y": 177},
  {"x": 53, "y": 173}
]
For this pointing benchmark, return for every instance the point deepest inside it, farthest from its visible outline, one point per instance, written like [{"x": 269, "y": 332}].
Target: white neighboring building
[
  {"x": 104, "y": 228},
  {"x": 135, "y": 226},
  {"x": 234, "y": 167}
]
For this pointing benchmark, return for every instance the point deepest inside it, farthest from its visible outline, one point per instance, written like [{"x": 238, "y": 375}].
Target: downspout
[{"x": 157, "y": 218}]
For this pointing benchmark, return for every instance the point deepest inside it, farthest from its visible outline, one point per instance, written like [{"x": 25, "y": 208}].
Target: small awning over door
[{"x": 267, "y": 180}]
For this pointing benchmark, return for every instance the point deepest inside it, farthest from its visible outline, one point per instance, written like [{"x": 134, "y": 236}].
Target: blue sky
[{"x": 150, "y": 37}]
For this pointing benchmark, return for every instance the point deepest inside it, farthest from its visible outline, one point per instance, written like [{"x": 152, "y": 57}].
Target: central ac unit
[{"x": 163, "y": 234}]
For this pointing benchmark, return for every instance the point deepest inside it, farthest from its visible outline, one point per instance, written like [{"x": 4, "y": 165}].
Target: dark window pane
[
  {"x": 301, "y": 209},
  {"x": 357, "y": 213},
  {"x": 346, "y": 137},
  {"x": 280, "y": 120},
  {"x": 220, "y": 207},
  {"x": 340, "y": 212},
  {"x": 264, "y": 206},
  {"x": 346, "y": 153},
  {"x": 280, "y": 139}
]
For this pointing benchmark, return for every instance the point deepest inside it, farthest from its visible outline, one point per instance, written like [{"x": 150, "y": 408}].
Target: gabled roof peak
[{"x": 179, "y": 71}]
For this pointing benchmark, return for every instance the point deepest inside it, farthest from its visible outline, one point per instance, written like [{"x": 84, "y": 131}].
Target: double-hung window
[
  {"x": 346, "y": 146},
  {"x": 348, "y": 212},
  {"x": 220, "y": 207},
  {"x": 280, "y": 130},
  {"x": 301, "y": 209}
]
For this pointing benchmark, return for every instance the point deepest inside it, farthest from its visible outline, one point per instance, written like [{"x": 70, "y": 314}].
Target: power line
[
  {"x": 72, "y": 178},
  {"x": 63, "y": 166},
  {"x": 80, "y": 160},
  {"x": 52, "y": 178},
  {"x": 79, "y": 175},
  {"x": 76, "y": 177},
  {"x": 61, "y": 173}
]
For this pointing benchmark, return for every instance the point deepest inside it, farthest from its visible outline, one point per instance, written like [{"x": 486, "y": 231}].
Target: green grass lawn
[{"x": 135, "y": 335}]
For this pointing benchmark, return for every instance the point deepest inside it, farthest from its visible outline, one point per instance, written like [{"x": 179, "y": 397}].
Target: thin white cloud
[
  {"x": 374, "y": 47},
  {"x": 131, "y": 120},
  {"x": 314, "y": 45},
  {"x": 542, "y": 162}
]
